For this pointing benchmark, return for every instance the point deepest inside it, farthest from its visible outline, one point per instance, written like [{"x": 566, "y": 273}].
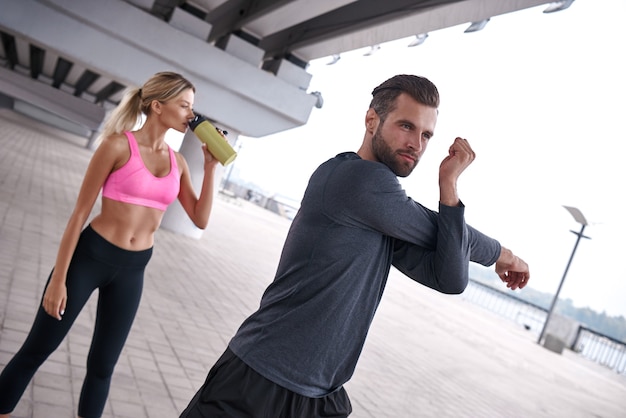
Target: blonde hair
[{"x": 162, "y": 87}]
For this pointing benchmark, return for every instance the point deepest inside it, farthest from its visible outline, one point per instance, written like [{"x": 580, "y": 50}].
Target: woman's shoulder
[
  {"x": 115, "y": 145},
  {"x": 115, "y": 140}
]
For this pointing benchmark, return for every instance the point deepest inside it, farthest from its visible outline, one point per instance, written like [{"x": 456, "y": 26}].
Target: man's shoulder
[
  {"x": 351, "y": 161},
  {"x": 349, "y": 172}
]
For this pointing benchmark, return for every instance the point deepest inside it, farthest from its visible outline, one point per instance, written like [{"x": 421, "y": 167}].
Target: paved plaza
[{"x": 427, "y": 355}]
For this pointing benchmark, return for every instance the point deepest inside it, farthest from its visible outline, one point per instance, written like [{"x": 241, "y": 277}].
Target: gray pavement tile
[{"x": 427, "y": 355}]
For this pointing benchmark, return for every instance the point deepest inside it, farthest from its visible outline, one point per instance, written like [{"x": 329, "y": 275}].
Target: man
[{"x": 292, "y": 356}]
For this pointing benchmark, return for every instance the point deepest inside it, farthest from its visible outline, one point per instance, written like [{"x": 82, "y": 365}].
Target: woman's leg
[
  {"x": 117, "y": 305},
  {"x": 44, "y": 337}
]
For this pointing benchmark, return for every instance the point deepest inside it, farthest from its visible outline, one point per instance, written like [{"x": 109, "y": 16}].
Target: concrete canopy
[{"x": 247, "y": 58}]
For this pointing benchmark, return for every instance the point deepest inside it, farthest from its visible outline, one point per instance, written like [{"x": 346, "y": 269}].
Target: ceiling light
[
  {"x": 334, "y": 59},
  {"x": 557, "y": 6},
  {"x": 476, "y": 26},
  {"x": 372, "y": 50},
  {"x": 419, "y": 39}
]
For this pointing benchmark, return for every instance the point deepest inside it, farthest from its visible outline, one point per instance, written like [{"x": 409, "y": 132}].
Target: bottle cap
[{"x": 193, "y": 123}]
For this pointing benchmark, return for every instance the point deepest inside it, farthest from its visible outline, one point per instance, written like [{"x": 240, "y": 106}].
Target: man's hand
[
  {"x": 512, "y": 270},
  {"x": 460, "y": 156}
]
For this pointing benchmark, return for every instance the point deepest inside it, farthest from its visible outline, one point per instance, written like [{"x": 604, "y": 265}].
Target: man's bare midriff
[{"x": 127, "y": 226}]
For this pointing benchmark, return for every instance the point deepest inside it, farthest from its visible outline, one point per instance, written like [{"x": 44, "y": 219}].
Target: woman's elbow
[
  {"x": 201, "y": 224},
  {"x": 201, "y": 220}
]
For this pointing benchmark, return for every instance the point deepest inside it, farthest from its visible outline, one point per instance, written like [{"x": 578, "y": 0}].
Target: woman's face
[{"x": 177, "y": 112}]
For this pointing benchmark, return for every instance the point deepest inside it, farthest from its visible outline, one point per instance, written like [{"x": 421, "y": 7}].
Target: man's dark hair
[{"x": 419, "y": 88}]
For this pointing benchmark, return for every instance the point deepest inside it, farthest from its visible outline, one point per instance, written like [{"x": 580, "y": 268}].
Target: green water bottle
[{"x": 214, "y": 140}]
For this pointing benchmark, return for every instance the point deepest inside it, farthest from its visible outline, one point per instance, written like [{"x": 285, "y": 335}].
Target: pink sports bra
[{"x": 133, "y": 183}]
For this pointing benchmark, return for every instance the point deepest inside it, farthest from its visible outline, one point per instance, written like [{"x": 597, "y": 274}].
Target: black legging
[{"x": 118, "y": 274}]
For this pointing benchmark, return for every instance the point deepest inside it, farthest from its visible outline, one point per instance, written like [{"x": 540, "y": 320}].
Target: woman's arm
[{"x": 109, "y": 153}]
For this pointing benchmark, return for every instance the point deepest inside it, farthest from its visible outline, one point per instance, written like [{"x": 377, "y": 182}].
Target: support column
[
  {"x": 175, "y": 218},
  {"x": 93, "y": 137}
]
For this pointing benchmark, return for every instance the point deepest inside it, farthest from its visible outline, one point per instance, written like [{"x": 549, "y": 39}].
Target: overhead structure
[{"x": 248, "y": 58}]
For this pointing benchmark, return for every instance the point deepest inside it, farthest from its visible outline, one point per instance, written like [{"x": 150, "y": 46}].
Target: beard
[{"x": 383, "y": 153}]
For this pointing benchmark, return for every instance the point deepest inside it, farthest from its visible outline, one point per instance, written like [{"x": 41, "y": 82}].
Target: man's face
[{"x": 400, "y": 141}]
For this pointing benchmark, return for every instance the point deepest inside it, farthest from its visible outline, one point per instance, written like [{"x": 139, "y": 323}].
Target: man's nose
[{"x": 416, "y": 145}]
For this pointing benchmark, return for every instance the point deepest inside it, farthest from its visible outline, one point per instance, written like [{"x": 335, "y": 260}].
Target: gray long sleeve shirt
[{"x": 355, "y": 221}]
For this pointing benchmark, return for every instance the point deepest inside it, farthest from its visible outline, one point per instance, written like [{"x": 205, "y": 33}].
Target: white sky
[{"x": 540, "y": 98}]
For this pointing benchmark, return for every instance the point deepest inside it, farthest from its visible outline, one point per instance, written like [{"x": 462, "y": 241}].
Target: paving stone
[{"x": 427, "y": 355}]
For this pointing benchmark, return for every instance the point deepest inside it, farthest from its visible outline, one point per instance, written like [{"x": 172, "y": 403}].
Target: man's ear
[{"x": 371, "y": 121}]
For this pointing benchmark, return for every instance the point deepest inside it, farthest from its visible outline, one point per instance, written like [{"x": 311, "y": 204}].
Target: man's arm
[
  {"x": 446, "y": 268},
  {"x": 420, "y": 265},
  {"x": 451, "y": 275},
  {"x": 511, "y": 269},
  {"x": 460, "y": 156}
]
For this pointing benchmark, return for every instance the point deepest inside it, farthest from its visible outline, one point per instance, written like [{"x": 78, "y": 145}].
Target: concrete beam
[
  {"x": 53, "y": 100},
  {"x": 124, "y": 43},
  {"x": 413, "y": 23}
]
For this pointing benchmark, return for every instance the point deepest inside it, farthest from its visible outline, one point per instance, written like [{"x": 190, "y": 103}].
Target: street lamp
[{"x": 578, "y": 216}]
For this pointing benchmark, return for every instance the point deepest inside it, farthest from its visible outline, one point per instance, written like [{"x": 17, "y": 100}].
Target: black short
[{"x": 232, "y": 389}]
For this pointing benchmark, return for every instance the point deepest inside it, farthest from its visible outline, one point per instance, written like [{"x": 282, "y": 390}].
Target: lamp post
[{"x": 578, "y": 216}]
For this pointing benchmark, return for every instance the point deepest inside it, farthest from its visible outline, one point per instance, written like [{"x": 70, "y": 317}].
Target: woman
[{"x": 139, "y": 176}]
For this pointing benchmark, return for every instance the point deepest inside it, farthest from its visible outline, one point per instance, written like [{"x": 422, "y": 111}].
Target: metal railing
[
  {"x": 592, "y": 345},
  {"x": 527, "y": 314},
  {"x": 601, "y": 348}
]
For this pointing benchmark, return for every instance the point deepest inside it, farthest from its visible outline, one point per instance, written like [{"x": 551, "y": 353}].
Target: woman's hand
[
  {"x": 55, "y": 298},
  {"x": 209, "y": 160}
]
